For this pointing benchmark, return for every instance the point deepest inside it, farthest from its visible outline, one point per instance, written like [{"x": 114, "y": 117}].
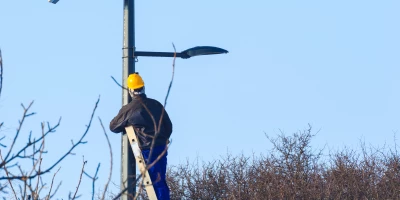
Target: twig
[
  {"x": 172, "y": 78},
  {"x": 18, "y": 130},
  {"x": 40, "y": 160},
  {"x": 111, "y": 160},
  {"x": 50, "y": 130},
  {"x": 23, "y": 194},
  {"x": 165, "y": 103},
  {"x": 80, "y": 140},
  {"x": 55, "y": 191},
  {"x": 125, "y": 189},
  {"x": 118, "y": 83},
  {"x": 9, "y": 180},
  {"x": 94, "y": 178},
  {"x": 1, "y": 72},
  {"x": 38, "y": 177},
  {"x": 52, "y": 182},
  {"x": 42, "y": 185},
  {"x": 140, "y": 189},
  {"x": 159, "y": 157},
  {"x": 80, "y": 178}
]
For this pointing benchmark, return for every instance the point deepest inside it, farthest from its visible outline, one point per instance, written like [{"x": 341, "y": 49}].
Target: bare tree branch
[
  {"x": 158, "y": 157},
  {"x": 18, "y": 131},
  {"x": 56, "y": 190},
  {"x": 80, "y": 141},
  {"x": 23, "y": 194},
  {"x": 172, "y": 78},
  {"x": 52, "y": 182},
  {"x": 94, "y": 178},
  {"x": 80, "y": 178},
  {"x": 165, "y": 104},
  {"x": 40, "y": 161},
  {"x": 1, "y": 73},
  {"x": 30, "y": 143},
  {"x": 118, "y": 83},
  {"x": 9, "y": 180},
  {"x": 111, "y": 160},
  {"x": 74, "y": 145}
]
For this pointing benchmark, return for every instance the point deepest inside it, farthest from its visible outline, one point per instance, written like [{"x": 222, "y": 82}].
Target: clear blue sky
[{"x": 333, "y": 64}]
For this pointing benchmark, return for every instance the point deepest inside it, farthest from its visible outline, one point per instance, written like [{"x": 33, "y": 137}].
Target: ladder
[{"x": 133, "y": 140}]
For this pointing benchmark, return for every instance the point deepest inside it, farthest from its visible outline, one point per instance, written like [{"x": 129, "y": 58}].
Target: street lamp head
[
  {"x": 202, "y": 50},
  {"x": 53, "y": 1}
]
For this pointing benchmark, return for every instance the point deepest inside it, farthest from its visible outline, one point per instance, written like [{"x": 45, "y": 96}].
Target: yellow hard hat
[{"x": 134, "y": 81}]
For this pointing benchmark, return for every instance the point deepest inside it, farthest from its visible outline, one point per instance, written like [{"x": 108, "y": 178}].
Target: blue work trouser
[{"x": 158, "y": 171}]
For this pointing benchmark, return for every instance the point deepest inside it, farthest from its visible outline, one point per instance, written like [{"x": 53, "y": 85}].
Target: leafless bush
[{"x": 291, "y": 170}]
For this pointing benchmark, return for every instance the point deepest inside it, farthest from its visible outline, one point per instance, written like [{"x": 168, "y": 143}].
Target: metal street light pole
[{"x": 128, "y": 164}]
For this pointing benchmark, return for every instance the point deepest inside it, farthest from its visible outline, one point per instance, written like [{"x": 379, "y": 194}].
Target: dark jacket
[{"x": 135, "y": 114}]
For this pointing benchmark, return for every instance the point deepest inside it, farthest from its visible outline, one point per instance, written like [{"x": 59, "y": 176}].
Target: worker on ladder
[{"x": 145, "y": 124}]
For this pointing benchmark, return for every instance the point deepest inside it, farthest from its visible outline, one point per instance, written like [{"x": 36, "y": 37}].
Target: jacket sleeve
[{"x": 119, "y": 122}]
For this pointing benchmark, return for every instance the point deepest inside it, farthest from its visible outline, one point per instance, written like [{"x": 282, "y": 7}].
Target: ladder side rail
[{"x": 133, "y": 140}]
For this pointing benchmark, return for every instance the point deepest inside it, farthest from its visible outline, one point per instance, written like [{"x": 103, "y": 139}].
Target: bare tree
[{"x": 23, "y": 173}]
